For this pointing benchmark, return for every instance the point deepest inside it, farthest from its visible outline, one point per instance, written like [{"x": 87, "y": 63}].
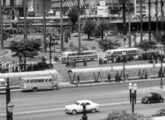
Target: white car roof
[{"x": 83, "y": 101}]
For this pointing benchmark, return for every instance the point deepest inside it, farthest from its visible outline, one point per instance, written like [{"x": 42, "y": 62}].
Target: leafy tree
[
  {"x": 146, "y": 45},
  {"x": 73, "y": 16},
  {"x": 88, "y": 28},
  {"x": 25, "y": 49},
  {"x": 100, "y": 28},
  {"x": 108, "y": 44},
  {"x": 160, "y": 37},
  {"x": 123, "y": 115}
]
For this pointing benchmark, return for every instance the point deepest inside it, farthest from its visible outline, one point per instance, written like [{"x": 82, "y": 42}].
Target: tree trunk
[
  {"x": 141, "y": 22},
  {"x": 149, "y": 24},
  {"x": 88, "y": 36}
]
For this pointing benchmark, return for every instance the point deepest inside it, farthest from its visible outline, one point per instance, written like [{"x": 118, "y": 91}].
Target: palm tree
[
  {"x": 73, "y": 16},
  {"x": 141, "y": 22},
  {"x": 123, "y": 4},
  {"x": 149, "y": 17},
  {"x": 1, "y": 26}
]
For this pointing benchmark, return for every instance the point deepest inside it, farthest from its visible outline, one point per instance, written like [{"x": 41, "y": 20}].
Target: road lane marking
[{"x": 62, "y": 109}]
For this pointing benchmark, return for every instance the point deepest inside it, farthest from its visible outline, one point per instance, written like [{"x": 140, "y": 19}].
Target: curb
[{"x": 69, "y": 85}]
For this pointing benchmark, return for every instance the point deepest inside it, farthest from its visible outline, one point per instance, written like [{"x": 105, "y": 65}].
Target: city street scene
[{"x": 82, "y": 60}]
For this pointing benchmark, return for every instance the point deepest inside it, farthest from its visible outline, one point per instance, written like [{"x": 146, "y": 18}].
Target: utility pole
[
  {"x": 157, "y": 27},
  {"x": 1, "y": 26},
  {"x": 149, "y": 16},
  {"x": 129, "y": 24},
  {"x": 8, "y": 99},
  {"x": 61, "y": 31},
  {"x": 44, "y": 25},
  {"x": 79, "y": 29},
  {"x": 25, "y": 20},
  {"x": 141, "y": 22}
]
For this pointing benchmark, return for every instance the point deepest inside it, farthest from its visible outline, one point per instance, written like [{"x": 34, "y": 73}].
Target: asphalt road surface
[{"x": 49, "y": 105}]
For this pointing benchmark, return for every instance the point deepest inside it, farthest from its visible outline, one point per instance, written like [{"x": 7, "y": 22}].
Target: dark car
[
  {"x": 152, "y": 97},
  {"x": 160, "y": 112}
]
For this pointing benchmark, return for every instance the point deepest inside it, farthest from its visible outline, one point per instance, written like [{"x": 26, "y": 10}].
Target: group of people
[{"x": 9, "y": 67}]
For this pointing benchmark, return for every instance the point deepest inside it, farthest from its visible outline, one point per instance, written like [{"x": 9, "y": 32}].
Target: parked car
[
  {"x": 152, "y": 97},
  {"x": 160, "y": 112},
  {"x": 78, "y": 108}
]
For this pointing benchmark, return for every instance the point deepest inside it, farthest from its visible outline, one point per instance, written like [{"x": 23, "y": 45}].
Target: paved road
[{"x": 49, "y": 105}]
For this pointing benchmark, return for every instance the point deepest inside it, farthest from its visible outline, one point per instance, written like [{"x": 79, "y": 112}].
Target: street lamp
[
  {"x": 10, "y": 108},
  {"x": 124, "y": 61},
  {"x": 84, "y": 117},
  {"x": 132, "y": 94},
  {"x": 9, "y": 104},
  {"x": 161, "y": 53}
]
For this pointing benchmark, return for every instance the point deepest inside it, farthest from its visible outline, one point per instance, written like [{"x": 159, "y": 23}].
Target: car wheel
[
  {"x": 74, "y": 112},
  {"x": 148, "y": 102},
  {"x": 94, "y": 110},
  {"x": 35, "y": 89},
  {"x": 161, "y": 101}
]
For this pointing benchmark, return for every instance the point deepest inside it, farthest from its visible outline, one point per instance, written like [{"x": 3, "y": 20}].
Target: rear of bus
[
  {"x": 38, "y": 83},
  {"x": 2, "y": 85}
]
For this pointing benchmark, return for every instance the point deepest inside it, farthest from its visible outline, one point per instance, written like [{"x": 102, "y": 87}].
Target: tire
[
  {"x": 74, "y": 112},
  {"x": 148, "y": 102},
  {"x": 94, "y": 110},
  {"x": 55, "y": 87},
  {"x": 162, "y": 101},
  {"x": 35, "y": 89}
]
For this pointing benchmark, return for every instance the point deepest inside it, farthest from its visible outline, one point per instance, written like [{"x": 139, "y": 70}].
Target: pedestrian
[
  {"x": 127, "y": 74},
  {"x": 109, "y": 77},
  {"x": 78, "y": 79}
]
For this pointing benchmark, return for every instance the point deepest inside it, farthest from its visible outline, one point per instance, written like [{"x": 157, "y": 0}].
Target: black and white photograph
[{"x": 82, "y": 59}]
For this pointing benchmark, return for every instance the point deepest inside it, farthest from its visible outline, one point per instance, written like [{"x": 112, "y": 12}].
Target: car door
[{"x": 88, "y": 106}]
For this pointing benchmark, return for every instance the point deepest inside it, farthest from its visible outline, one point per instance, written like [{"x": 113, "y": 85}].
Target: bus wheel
[
  {"x": 55, "y": 87},
  {"x": 35, "y": 89}
]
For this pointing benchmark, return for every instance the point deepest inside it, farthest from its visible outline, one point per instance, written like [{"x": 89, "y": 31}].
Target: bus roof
[
  {"x": 26, "y": 74},
  {"x": 36, "y": 77},
  {"x": 121, "y": 49},
  {"x": 77, "y": 51}
]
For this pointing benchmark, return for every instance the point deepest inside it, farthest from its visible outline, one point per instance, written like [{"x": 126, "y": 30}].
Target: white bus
[
  {"x": 75, "y": 55},
  {"x": 2, "y": 85},
  {"x": 119, "y": 52},
  {"x": 38, "y": 83},
  {"x": 22, "y": 78}
]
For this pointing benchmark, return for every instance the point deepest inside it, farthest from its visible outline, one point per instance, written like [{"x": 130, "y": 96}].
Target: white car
[{"x": 78, "y": 108}]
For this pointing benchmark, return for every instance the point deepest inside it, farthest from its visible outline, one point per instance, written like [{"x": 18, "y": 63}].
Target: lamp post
[
  {"x": 132, "y": 94},
  {"x": 124, "y": 61},
  {"x": 9, "y": 104},
  {"x": 161, "y": 68},
  {"x": 50, "y": 48},
  {"x": 84, "y": 117}
]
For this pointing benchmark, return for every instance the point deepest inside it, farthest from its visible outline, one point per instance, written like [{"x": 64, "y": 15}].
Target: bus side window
[{"x": 50, "y": 80}]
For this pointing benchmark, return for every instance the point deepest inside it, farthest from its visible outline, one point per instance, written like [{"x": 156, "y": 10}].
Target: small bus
[
  {"x": 75, "y": 55},
  {"x": 118, "y": 52},
  {"x": 2, "y": 85},
  {"x": 38, "y": 83},
  {"x": 34, "y": 80}
]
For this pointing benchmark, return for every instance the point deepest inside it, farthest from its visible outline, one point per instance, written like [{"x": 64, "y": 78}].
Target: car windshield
[
  {"x": 149, "y": 95},
  {"x": 77, "y": 103}
]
